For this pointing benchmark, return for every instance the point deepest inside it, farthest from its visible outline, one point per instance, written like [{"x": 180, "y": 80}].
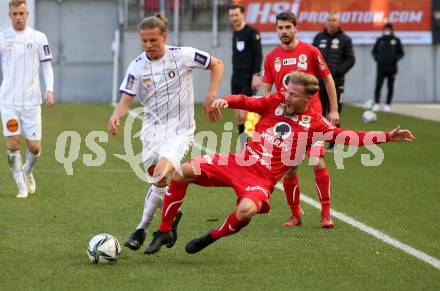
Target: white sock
[
  {"x": 153, "y": 201},
  {"x": 16, "y": 165},
  {"x": 31, "y": 160}
]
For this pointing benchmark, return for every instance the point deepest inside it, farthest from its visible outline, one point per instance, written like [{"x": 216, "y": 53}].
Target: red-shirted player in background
[
  {"x": 285, "y": 131},
  {"x": 295, "y": 55}
]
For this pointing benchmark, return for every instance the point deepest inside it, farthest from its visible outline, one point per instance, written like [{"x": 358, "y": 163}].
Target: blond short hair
[
  {"x": 309, "y": 82},
  {"x": 155, "y": 21},
  {"x": 16, "y": 3}
]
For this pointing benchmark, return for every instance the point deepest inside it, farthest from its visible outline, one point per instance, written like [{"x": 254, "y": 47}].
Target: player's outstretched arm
[
  {"x": 219, "y": 103},
  {"x": 216, "y": 67},
  {"x": 398, "y": 135},
  {"x": 253, "y": 104},
  {"x": 120, "y": 111}
]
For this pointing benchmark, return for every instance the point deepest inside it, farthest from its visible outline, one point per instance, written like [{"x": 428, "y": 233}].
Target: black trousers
[
  {"x": 391, "y": 76},
  {"x": 242, "y": 84},
  {"x": 325, "y": 102}
]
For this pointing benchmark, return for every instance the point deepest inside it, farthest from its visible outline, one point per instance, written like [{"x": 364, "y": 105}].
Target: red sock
[
  {"x": 230, "y": 226},
  {"x": 322, "y": 179},
  {"x": 171, "y": 203},
  {"x": 292, "y": 191}
]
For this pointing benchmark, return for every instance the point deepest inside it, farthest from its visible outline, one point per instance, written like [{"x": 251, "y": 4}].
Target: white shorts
[
  {"x": 173, "y": 149},
  {"x": 21, "y": 120}
]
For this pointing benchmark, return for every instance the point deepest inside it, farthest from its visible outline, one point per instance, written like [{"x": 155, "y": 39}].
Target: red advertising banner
[{"x": 361, "y": 19}]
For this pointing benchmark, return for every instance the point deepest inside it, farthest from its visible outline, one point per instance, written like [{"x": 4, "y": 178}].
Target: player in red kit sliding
[
  {"x": 286, "y": 130},
  {"x": 294, "y": 55}
]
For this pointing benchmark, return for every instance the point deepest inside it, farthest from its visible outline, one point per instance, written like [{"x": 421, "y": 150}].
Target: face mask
[{"x": 387, "y": 32}]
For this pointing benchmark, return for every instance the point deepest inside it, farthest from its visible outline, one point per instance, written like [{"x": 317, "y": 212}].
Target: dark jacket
[
  {"x": 387, "y": 51},
  {"x": 247, "y": 54},
  {"x": 337, "y": 50}
]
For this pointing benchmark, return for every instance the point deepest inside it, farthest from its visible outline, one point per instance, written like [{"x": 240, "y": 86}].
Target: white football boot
[
  {"x": 22, "y": 192},
  {"x": 375, "y": 107},
  {"x": 368, "y": 104},
  {"x": 30, "y": 181}
]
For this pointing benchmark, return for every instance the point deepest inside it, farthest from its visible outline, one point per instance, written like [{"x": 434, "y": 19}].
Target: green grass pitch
[{"x": 43, "y": 239}]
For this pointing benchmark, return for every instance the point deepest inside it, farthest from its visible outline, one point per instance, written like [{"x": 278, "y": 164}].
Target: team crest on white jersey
[
  {"x": 147, "y": 81},
  {"x": 282, "y": 130},
  {"x": 9, "y": 43},
  {"x": 171, "y": 74},
  {"x": 277, "y": 64}
]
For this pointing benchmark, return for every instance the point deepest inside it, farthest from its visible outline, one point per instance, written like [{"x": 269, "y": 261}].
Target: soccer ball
[
  {"x": 103, "y": 248},
  {"x": 369, "y": 116}
]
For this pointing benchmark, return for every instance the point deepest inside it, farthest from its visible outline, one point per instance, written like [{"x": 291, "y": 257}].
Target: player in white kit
[
  {"x": 162, "y": 77},
  {"x": 23, "y": 51}
]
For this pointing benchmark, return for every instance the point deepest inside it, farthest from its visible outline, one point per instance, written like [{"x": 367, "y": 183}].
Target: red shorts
[{"x": 223, "y": 171}]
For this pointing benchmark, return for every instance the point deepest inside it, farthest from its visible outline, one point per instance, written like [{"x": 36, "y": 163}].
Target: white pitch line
[
  {"x": 357, "y": 224},
  {"x": 374, "y": 232},
  {"x": 80, "y": 170}
]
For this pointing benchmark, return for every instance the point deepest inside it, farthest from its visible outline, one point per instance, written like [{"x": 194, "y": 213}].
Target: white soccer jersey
[
  {"x": 165, "y": 89},
  {"x": 21, "y": 53}
]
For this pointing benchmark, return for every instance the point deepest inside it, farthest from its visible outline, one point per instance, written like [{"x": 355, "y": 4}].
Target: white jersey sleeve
[
  {"x": 193, "y": 58},
  {"x": 130, "y": 84},
  {"x": 45, "y": 52},
  {"x": 2, "y": 41}
]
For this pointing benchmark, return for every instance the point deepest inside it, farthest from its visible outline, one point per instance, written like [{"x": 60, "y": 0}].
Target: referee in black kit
[
  {"x": 337, "y": 49},
  {"x": 247, "y": 57}
]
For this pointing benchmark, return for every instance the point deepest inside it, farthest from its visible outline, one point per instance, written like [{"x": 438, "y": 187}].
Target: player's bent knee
[
  {"x": 13, "y": 147},
  {"x": 185, "y": 174},
  {"x": 177, "y": 177},
  {"x": 13, "y": 143},
  {"x": 160, "y": 178},
  {"x": 34, "y": 149},
  {"x": 246, "y": 209}
]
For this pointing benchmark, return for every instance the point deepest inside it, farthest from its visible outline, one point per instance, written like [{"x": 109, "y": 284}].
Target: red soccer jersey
[
  {"x": 304, "y": 58},
  {"x": 280, "y": 140}
]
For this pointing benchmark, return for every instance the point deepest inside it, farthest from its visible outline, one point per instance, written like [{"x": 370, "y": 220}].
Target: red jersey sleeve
[
  {"x": 267, "y": 76},
  {"x": 253, "y": 104},
  {"x": 319, "y": 64},
  {"x": 350, "y": 137}
]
